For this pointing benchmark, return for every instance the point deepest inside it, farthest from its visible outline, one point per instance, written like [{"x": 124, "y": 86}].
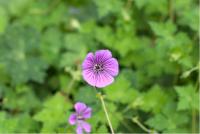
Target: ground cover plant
[{"x": 43, "y": 44}]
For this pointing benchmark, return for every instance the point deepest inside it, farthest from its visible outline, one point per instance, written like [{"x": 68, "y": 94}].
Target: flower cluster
[
  {"x": 99, "y": 70},
  {"x": 78, "y": 118}
]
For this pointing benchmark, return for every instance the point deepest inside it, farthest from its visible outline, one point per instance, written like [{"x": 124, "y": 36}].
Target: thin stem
[
  {"x": 127, "y": 108},
  {"x": 128, "y": 4},
  {"x": 171, "y": 10},
  {"x": 141, "y": 125},
  {"x": 71, "y": 84},
  {"x": 193, "y": 109},
  {"x": 105, "y": 111},
  {"x": 193, "y": 121}
]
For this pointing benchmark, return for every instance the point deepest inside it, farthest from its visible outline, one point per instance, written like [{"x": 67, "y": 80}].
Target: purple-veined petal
[
  {"x": 108, "y": 68},
  {"x": 80, "y": 107},
  {"x": 87, "y": 113},
  {"x": 86, "y": 126},
  {"x": 79, "y": 129},
  {"x": 102, "y": 55},
  {"x": 103, "y": 79},
  {"x": 88, "y": 62},
  {"x": 89, "y": 76},
  {"x": 111, "y": 66},
  {"x": 72, "y": 119}
]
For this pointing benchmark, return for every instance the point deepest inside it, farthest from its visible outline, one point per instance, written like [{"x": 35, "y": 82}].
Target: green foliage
[
  {"x": 169, "y": 120},
  {"x": 157, "y": 103},
  {"x": 152, "y": 6},
  {"x": 114, "y": 92},
  {"x": 18, "y": 54},
  {"x": 54, "y": 113},
  {"x": 22, "y": 95},
  {"x": 163, "y": 29},
  {"x": 42, "y": 46},
  {"x": 188, "y": 98},
  {"x": 105, "y": 7},
  {"x": 173, "y": 123},
  {"x": 86, "y": 94},
  {"x": 4, "y": 20},
  {"x": 11, "y": 124}
]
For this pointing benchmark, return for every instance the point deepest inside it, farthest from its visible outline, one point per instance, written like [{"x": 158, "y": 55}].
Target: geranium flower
[
  {"x": 78, "y": 118},
  {"x": 99, "y": 69}
]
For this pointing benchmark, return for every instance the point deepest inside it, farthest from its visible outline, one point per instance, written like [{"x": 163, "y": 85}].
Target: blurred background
[{"x": 43, "y": 44}]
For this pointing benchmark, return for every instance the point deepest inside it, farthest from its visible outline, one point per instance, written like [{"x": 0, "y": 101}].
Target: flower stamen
[
  {"x": 98, "y": 67},
  {"x": 79, "y": 117}
]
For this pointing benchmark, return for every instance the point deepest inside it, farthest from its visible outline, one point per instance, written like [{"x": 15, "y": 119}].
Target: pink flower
[
  {"x": 99, "y": 69},
  {"x": 78, "y": 118}
]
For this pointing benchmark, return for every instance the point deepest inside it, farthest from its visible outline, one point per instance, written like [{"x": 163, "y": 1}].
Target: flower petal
[
  {"x": 72, "y": 119},
  {"x": 80, "y": 107},
  {"x": 86, "y": 126},
  {"x": 103, "y": 79},
  {"x": 79, "y": 129},
  {"x": 89, "y": 76},
  {"x": 111, "y": 66},
  {"x": 87, "y": 113},
  {"x": 88, "y": 62},
  {"x": 102, "y": 55}
]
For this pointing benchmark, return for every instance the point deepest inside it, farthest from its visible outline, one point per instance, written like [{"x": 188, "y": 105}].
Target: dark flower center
[
  {"x": 98, "y": 67},
  {"x": 79, "y": 117}
]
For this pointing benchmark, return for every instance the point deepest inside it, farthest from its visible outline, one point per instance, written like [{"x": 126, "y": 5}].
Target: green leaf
[
  {"x": 186, "y": 14},
  {"x": 169, "y": 120},
  {"x": 17, "y": 7},
  {"x": 99, "y": 116},
  {"x": 54, "y": 113},
  {"x": 22, "y": 63},
  {"x": 122, "y": 40},
  {"x": 166, "y": 29},
  {"x": 14, "y": 124},
  {"x": 151, "y": 6},
  {"x": 114, "y": 91},
  {"x": 76, "y": 44},
  {"x": 29, "y": 125},
  {"x": 102, "y": 129},
  {"x": 4, "y": 19},
  {"x": 7, "y": 125},
  {"x": 114, "y": 114},
  {"x": 104, "y": 35},
  {"x": 159, "y": 122},
  {"x": 51, "y": 44},
  {"x": 187, "y": 18},
  {"x": 188, "y": 97},
  {"x": 86, "y": 94},
  {"x": 154, "y": 99},
  {"x": 105, "y": 7},
  {"x": 17, "y": 99}
]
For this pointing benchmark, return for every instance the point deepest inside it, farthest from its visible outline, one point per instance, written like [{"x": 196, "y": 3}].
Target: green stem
[
  {"x": 193, "y": 110},
  {"x": 105, "y": 110},
  {"x": 106, "y": 113},
  {"x": 171, "y": 10},
  {"x": 128, "y": 4},
  {"x": 126, "y": 108},
  {"x": 71, "y": 84},
  {"x": 193, "y": 121},
  {"x": 135, "y": 120}
]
